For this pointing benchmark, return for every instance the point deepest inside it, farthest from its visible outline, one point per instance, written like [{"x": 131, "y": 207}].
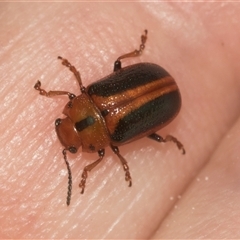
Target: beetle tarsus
[
  {"x": 76, "y": 73},
  {"x": 168, "y": 138},
  {"x": 43, "y": 92},
  {"x": 173, "y": 139},
  {"x": 89, "y": 167},
  {"x": 37, "y": 86},
  {"x": 124, "y": 164},
  {"x": 135, "y": 53}
]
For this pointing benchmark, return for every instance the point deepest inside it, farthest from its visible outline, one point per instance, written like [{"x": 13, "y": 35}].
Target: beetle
[{"x": 132, "y": 102}]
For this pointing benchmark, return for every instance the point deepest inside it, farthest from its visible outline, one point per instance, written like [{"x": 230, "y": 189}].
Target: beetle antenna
[{"x": 69, "y": 193}]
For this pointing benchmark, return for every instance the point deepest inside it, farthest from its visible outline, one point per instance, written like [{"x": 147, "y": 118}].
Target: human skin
[{"x": 173, "y": 195}]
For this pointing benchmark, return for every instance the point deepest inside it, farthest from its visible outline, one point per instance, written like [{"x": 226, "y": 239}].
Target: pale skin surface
[{"x": 173, "y": 196}]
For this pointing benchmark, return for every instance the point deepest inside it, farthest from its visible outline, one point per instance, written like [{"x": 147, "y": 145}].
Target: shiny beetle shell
[{"x": 131, "y": 103}]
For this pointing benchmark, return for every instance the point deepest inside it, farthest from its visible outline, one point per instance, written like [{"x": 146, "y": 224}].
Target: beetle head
[{"x": 67, "y": 134}]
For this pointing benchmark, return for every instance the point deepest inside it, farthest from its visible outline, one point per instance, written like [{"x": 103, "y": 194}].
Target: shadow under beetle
[{"x": 131, "y": 103}]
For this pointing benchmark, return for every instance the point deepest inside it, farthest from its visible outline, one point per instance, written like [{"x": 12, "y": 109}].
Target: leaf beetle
[{"x": 131, "y": 103}]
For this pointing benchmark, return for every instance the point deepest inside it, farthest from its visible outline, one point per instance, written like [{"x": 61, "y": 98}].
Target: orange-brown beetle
[{"x": 131, "y": 103}]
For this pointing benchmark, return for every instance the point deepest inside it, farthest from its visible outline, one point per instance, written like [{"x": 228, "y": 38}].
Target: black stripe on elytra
[
  {"x": 150, "y": 115},
  {"x": 105, "y": 112},
  {"x": 127, "y": 78},
  {"x": 86, "y": 122}
]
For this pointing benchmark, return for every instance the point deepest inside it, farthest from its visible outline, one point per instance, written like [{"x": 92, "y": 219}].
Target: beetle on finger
[{"x": 131, "y": 103}]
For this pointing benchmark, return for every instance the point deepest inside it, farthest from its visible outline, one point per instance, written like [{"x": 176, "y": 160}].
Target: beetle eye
[
  {"x": 72, "y": 149},
  {"x": 58, "y": 122}
]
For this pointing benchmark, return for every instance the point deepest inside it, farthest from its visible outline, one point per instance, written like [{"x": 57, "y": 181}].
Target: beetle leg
[
  {"x": 168, "y": 138},
  {"x": 76, "y": 73},
  {"x": 135, "y": 53},
  {"x": 37, "y": 86},
  {"x": 89, "y": 167},
  {"x": 125, "y": 165}
]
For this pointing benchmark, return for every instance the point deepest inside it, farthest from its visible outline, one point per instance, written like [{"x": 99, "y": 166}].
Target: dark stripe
[
  {"x": 127, "y": 78},
  {"x": 150, "y": 115},
  {"x": 105, "y": 112},
  {"x": 86, "y": 122}
]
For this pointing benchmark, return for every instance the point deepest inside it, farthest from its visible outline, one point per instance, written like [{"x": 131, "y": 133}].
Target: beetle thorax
[{"x": 88, "y": 126}]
